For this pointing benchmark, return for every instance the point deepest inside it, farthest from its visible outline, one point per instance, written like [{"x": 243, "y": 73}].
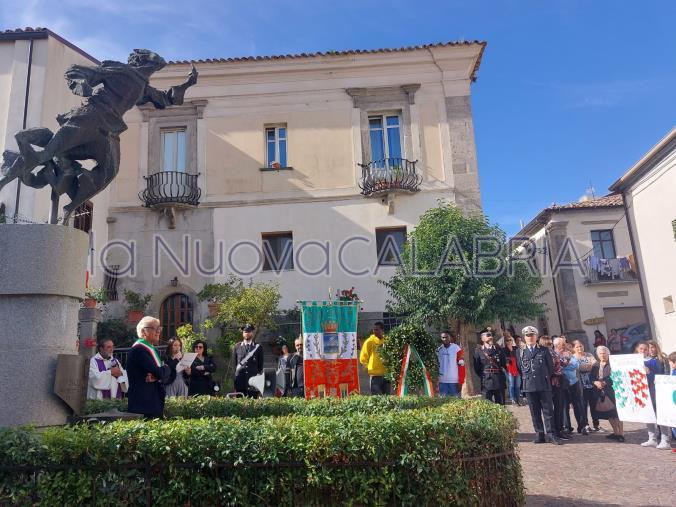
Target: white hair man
[{"x": 146, "y": 372}]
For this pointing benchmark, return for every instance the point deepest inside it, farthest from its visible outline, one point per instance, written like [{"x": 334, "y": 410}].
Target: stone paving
[{"x": 592, "y": 470}]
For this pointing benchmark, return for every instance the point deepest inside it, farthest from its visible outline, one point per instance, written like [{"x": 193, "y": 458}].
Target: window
[
  {"x": 275, "y": 144},
  {"x": 668, "y": 304},
  {"x": 603, "y": 244},
  {"x": 175, "y": 311},
  {"x": 110, "y": 281},
  {"x": 173, "y": 149},
  {"x": 390, "y": 244},
  {"x": 83, "y": 216},
  {"x": 277, "y": 251},
  {"x": 385, "y": 136}
]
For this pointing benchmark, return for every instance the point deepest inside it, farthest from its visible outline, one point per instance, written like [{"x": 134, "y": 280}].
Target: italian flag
[{"x": 404, "y": 379}]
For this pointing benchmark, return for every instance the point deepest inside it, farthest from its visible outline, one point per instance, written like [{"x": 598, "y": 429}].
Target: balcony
[
  {"x": 616, "y": 270},
  {"x": 171, "y": 189},
  {"x": 389, "y": 175}
]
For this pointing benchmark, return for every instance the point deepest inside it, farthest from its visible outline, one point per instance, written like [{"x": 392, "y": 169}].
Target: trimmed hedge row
[
  {"x": 412, "y": 457},
  {"x": 206, "y": 406}
]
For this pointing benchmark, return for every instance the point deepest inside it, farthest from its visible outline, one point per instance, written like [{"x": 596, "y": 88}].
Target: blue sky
[{"x": 570, "y": 92}]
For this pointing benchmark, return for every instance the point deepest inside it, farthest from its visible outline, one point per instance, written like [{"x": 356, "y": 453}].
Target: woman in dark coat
[
  {"x": 603, "y": 391},
  {"x": 200, "y": 373}
]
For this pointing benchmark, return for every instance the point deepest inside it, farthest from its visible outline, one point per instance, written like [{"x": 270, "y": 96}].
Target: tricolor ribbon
[
  {"x": 150, "y": 348},
  {"x": 404, "y": 379}
]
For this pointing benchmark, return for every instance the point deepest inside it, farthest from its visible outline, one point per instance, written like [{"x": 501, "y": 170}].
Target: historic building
[
  {"x": 648, "y": 188},
  {"x": 306, "y": 169},
  {"x": 590, "y": 278}
]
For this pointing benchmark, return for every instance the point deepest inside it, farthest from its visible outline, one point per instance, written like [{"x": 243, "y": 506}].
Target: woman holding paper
[
  {"x": 604, "y": 395},
  {"x": 201, "y": 370},
  {"x": 176, "y": 385}
]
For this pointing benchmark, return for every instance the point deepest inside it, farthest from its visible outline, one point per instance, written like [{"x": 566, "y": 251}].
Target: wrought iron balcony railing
[
  {"x": 388, "y": 175},
  {"x": 609, "y": 270},
  {"x": 171, "y": 188}
]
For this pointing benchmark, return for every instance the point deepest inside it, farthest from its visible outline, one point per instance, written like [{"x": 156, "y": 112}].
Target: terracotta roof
[
  {"x": 613, "y": 200},
  {"x": 345, "y": 53},
  {"x": 607, "y": 201},
  {"x": 42, "y": 33}
]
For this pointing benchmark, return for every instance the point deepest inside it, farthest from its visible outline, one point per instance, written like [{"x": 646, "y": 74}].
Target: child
[{"x": 658, "y": 436}]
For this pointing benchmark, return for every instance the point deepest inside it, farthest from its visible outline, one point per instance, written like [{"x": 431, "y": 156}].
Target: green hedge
[
  {"x": 205, "y": 406},
  {"x": 410, "y": 457}
]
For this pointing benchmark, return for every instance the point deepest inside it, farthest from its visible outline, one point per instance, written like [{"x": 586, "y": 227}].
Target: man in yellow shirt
[{"x": 369, "y": 357}]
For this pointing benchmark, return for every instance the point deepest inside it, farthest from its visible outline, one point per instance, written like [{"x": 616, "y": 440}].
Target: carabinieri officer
[{"x": 537, "y": 366}]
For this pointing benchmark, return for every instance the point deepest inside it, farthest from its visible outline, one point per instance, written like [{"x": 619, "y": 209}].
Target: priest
[{"x": 107, "y": 378}]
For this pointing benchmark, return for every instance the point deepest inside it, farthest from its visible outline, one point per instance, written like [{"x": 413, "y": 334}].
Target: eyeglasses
[
  {"x": 199, "y": 346},
  {"x": 158, "y": 329}
]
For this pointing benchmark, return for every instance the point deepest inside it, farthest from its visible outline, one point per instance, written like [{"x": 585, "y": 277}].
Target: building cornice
[{"x": 653, "y": 157}]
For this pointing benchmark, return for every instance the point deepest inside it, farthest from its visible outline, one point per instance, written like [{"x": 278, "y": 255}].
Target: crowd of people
[
  {"x": 554, "y": 375},
  {"x": 149, "y": 378},
  {"x": 549, "y": 374}
]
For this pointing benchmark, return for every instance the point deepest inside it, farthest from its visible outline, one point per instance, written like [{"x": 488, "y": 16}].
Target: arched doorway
[{"x": 176, "y": 310}]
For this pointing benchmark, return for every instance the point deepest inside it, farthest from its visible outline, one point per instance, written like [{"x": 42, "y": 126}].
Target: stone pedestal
[
  {"x": 42, "y": 279},
  {"x": 89, "y": 319}
]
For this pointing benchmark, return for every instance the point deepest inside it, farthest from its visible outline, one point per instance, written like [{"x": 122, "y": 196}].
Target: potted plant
[
  {"x": 95, "y": 296},
  {"x": 136, "y": 304}
]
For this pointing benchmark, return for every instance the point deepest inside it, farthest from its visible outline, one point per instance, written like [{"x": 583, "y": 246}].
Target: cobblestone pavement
[{"x": 592, "y": 470}]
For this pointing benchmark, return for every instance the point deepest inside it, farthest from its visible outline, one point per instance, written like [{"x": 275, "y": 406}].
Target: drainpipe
[
  {"x": 25, "y": 118},
  {"x": 630, "y": 229}
]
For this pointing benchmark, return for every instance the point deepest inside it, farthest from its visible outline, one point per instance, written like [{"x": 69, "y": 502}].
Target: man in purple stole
[{"x": 107, "y": 378}]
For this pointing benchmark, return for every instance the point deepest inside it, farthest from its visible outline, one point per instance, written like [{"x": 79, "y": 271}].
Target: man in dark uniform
[
  {"x": 146, "y": 372},
  {"x": 297, "y": 384},
  {"x": 536, "y": 366},
  {"x": 489, "y": 364},
  {"x": 247, "y": 359}
]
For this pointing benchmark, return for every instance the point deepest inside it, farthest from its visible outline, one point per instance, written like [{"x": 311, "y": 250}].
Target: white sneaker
[
  {"x": 651, "y": 442},
  {"x": 664, "y": 444}
]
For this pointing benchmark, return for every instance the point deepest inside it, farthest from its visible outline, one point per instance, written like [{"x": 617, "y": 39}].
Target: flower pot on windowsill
[
  {"x": 134, "y": 316},
  {"x": 213, "y": 309},
  {"x": 89, "y": 303}
]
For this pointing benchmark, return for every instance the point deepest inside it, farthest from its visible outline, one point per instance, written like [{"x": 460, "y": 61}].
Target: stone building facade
[
  {"x": 648, "y": 191},
  {"x": 330, "y": 158},
  {"x": 596, "y": 286}
]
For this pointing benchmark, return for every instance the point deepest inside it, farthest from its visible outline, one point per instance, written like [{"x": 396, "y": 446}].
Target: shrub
[
  {"x": 116, "y": 330},
  {"x": 205, "y": 406},
  {"x": 136, "y": 301},
  {"x": 412, "y": 457}
]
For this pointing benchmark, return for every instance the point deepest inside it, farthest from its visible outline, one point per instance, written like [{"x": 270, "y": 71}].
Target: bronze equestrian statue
[{"x": 90, "y": 131}]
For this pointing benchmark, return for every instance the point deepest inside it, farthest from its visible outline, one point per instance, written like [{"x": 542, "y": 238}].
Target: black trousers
[
  {"x": 588, "y": 401},
  {"x": 540, "y": 405},
  {"x": 574, "y": 399},
  {"x": 380, "y": 385},
  {"x": 495, "y": 395},
  {"x": 559, "y": 400}
]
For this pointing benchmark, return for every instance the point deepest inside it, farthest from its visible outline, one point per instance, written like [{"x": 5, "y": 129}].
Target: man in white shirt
[
  {"x": 107, "y": 378},
  {"x": 451, "y": 365}
]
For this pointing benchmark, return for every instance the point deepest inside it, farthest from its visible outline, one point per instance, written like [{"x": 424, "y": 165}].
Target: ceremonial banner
[
  {"x": 330, "y": 355},
  {"x": 630, "y": 384},
  {"x": 665, "y": 395},
  {"x": 404, "y": 379}
]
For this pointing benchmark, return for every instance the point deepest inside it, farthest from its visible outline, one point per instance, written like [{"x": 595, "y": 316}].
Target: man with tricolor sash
[{"x": 146, "y": 372}]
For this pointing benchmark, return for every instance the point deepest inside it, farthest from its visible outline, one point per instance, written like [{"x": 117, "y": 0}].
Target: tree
[
  {"x": 255, "y": 304},
  {"x": 448, "y": 279}
]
